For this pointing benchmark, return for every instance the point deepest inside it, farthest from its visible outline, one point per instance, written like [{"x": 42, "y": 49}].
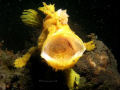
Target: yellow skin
[{"x": 59, "y": 45}]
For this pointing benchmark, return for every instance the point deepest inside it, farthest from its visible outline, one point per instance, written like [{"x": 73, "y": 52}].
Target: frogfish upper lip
[{"x": 62, "y": 50}]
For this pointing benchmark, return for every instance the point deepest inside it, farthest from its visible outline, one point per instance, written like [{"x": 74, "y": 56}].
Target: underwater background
[
  {"x": 93, "y": 16},
  {"x": 87, "y": 16}
]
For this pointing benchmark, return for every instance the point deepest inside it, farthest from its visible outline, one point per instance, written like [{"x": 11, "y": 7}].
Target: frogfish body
[
  {"x": 62, "y": 47},
  {"x": 59, "y": 46}
]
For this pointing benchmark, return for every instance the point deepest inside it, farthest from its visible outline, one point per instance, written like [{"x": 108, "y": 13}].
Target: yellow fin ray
[{"x": 31, "y": 18}]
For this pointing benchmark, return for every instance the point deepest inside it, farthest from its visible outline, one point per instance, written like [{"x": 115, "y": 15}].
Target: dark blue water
[{"x": 94, "y": 16}]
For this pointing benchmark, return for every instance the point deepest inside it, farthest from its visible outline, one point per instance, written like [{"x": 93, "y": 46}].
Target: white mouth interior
[{"x": 62, "y": 48}]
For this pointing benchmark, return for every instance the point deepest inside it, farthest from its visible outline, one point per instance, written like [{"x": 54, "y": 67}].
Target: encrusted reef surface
[
  {"x": 97, "y": 68},
  {"x": 36, "y": 75},
  {"x": 12, "y": 78}
]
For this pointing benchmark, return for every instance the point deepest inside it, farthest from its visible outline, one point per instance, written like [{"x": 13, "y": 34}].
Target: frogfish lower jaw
[{"x": 62, "y": 50}]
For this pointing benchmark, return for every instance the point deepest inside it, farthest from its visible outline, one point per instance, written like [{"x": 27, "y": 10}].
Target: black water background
[{"x": 95, "y": 16}]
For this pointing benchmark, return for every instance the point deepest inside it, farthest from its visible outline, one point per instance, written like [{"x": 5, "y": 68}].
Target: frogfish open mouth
[{"x": 62, "y": 49}]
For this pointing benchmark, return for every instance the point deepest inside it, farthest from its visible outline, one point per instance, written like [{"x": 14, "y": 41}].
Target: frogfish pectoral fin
[
  {"x": 90, "y": 45},
  {"x": 22, "y": 61}
]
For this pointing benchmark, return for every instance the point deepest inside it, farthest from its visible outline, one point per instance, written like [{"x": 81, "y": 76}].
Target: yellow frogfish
[{"x": 59, "y": 46}]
